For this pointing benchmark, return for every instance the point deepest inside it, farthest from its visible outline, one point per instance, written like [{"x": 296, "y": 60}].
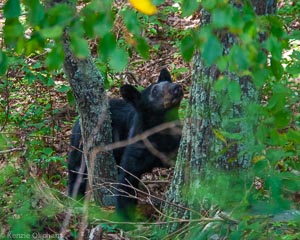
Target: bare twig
[
  {"x": 155, "y": 152},
  {"x": 139, "y": 137},
  {"x": 179, "y": 220},
  {"x": 142, "y": 136},
  {"x": 148, "y": 194},
  {"x": 74, "y": 194},
  {"x": 12, "y": 150}
]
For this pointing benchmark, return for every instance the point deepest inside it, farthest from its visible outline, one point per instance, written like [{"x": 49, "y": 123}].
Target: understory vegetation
[{"x": 37, "y": 112}]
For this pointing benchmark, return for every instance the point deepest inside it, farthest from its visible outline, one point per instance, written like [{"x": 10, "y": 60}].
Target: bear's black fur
[{"x": 131, "y": 116}]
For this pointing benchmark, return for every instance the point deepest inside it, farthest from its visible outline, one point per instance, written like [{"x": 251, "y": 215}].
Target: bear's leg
[{"x": 136, "y": 161}]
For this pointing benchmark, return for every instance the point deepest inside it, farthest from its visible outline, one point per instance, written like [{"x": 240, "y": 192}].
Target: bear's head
[{"x": 157, "y": 99}]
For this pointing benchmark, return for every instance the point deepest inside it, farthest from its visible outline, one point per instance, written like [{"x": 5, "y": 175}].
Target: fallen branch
[{"x": 12, "y": 150}]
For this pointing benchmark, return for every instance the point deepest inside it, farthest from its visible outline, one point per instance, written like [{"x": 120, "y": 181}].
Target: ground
[
  {"x": 42, "y": 113},
  {"x": 43, "y": 116}
]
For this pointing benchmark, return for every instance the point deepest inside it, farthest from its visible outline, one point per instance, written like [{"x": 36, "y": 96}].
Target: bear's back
[{"x": 122, "y": 118}]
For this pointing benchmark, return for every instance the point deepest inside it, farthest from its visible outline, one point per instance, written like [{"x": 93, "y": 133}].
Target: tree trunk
[
  {"x": 87, "y": 85},
  {"x": 204, "y": 153},
  {"x": 88, "y": 88}
]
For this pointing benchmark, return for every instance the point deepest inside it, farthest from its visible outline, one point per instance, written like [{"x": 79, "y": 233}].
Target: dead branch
[{"x": 12, "y": 150}]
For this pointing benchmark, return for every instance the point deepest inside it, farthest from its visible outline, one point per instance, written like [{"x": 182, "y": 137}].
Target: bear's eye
[{"x": 154, "y": 91}]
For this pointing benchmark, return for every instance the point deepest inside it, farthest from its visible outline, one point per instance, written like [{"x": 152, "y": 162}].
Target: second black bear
[{"x": 131, "y": 116}]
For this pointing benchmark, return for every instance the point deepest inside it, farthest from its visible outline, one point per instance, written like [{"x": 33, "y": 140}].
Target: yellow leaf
[
  {"x": 219, "y": 135},
  {"x": 258, "y": 158},
  {"x": 144, "y": 6}
]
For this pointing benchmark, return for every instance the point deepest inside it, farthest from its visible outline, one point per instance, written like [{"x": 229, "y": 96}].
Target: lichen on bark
[
  {"x": 202, "y": 153},
  {"x": 87, "y": 86}
]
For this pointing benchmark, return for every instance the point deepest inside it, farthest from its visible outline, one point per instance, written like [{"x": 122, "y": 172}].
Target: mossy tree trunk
[
  {"x": 87, "y": 86},
  {"x": 203, "y": 151}
]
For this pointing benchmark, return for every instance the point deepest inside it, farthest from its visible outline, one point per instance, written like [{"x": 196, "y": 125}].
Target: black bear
[{"x": 132, "y": 116}]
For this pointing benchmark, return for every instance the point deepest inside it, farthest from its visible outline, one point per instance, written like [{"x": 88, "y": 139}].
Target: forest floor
[
  {"x": 165, "y": 53},
  {"x": 141, "y": 72},
  {"x": 164, "y": 38}
]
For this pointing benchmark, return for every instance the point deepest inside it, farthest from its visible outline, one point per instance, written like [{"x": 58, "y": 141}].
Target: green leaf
[
  {"x": 260, "y": 166},
  {"x": 47, "y": 151},
  {"x": 118, "y": 59},
  {"x": 234, "y": 91},
  {"x": 234, "y": 136},
  {"x": 276, "y": 68},
  {"x": 262, "y": 133},
  {"x": 13, "y": 31},
  {"x": 294, "y": 67},
  {"x": 131, "y": 21},
  {"x": 276, "y": 139},
  {"x": 3, "y": 63},
  {"x": 52, "y": 32},
  {"x": 220, "y": 17},
  {"x": 239, "y": 58},
  {"x": 60, "y": 14},
  {"x": 260, "y": 77},
  {"x": 188, "y": 7},
  {"x": 293, "y": 135},
  {"x": 102, "y": 26},
  {"x": 97, "y": 21},
  {"x": 275, "y": 47},
  {"x": 107, "y": 45},
  {"x": 221, "y": 84},
  {"x": 158, "y": 2},
  {"x": 98, "y": 15},
  {"x": 275, "y": 154},
  {"x": 79, "y": 46},
  {"x": 222, "y": 63},
  {"x": 33, "y": 45},
  {"x": 142, "y": 47},
  {"x": 63, "y": 88},
  {"x": 55, "y": 58},
  {"x": 77, "y": 28},
  {"x": 36, "y": 12},
  {"x": 276, "y": 26},
  {"x": 187, "y": 48},
  {"x": 295, "y": 34},
  {"x": 290, "y": 181},
  {"x": 278, "y": 99},
  {"x": 212, "y": 49},
  {"x": 12, "y": 9},
  {"x": 3, "y": 141},
  {"x": 274, "y": 183},
  {"x": 282, "y": 118}
]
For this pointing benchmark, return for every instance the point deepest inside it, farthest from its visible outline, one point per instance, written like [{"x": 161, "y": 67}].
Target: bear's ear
[
  {"x": 130, "y": 94},
  {"x": 164, "y": 76}
]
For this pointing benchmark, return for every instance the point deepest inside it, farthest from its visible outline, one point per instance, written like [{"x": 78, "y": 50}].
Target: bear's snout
[{"x": 176, "y": 90}]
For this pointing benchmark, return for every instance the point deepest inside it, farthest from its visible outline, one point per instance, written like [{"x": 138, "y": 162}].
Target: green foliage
[
  {"x": 12, "y": 9},
  {"x": 212, "y": 49},
  {"x": 188, "y": 7},
  {"x": 3, "y": 63},
  {"x": 271, "y": 135},
  {"x": 267, "y": 125},
  {"x": 187, "y": 48},
  {"x": 26, "y": 146}
]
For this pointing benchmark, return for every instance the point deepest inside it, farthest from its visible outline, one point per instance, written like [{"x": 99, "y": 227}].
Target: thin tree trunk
[
  {"x": 88, "y": 88},
  {"x": 87, "y": 85},
  {"x": 202, "y": 152}
]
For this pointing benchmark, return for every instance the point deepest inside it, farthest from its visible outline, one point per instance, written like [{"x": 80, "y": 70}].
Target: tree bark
[
  {"x": 88, "y": 88},
  {"x": 87, "y": 85},
  {"x": 202, "y": 152}
]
